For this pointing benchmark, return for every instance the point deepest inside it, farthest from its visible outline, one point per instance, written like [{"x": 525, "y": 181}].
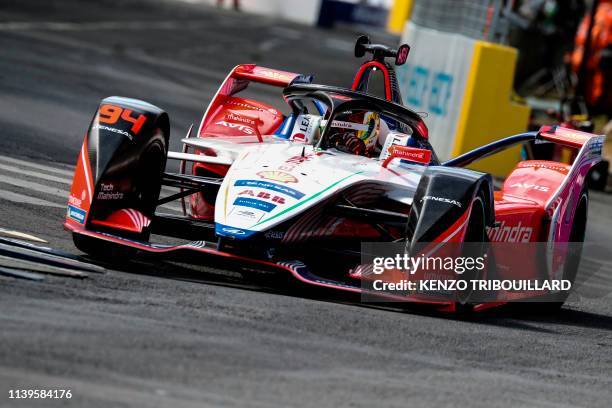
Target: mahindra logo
[{"x": 514, "y": 234}]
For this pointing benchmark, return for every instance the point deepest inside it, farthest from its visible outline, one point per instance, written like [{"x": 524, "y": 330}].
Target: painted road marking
[
  {"x": 68, "y": 172},
  {"x": 24, "y": 199},
  {"x": 39, "y": 175},
  {"x": 21, "y": 235},
  {"x": 43, "y": 188}
]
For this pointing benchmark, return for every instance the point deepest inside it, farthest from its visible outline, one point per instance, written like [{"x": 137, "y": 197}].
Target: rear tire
[
  {"x": 476, "y": 236},
  {"x": 576, "y": 240}
]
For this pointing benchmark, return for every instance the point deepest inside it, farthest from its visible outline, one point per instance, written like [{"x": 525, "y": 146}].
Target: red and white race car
[{"x": 299, "y": 192}]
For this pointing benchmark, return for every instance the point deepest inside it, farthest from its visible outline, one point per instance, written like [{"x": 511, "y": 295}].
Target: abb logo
[
  {"x": 263, "y": 195},
  {"x": 111, "y": 114}
]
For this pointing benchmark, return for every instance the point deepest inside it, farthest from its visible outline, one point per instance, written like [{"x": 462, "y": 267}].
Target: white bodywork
[{"x": 272, "y": 182}]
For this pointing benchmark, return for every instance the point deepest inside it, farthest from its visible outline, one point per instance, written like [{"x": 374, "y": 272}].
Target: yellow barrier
[
  {"x": 488, "y": 113},
  {"x": 398, "y": 15}
]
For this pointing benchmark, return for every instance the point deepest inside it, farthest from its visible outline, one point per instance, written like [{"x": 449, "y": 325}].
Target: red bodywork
[{"x": 229, "y": 115}]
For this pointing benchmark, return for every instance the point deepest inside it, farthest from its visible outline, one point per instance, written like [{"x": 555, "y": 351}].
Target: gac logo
[{"x": 234, "y": 231}]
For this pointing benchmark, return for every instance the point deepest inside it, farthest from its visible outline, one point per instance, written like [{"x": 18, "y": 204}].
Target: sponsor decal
[
  {"x": 107, "y": 192},
  {"x": 307, "y": 129},
  {"x": 114, "y": 130},
  {"x": 233, "y": 231},
  {"x": 507, "y": 233},
  {"x": 293, "y": 162},
  {"x": 410, "y": 153},
  {"x": 243, "y": 105},
  {"x": 312, "y": 197},
  {"x": 266, "y": 185},
  {"x": 442, "y": 200},
  {"x": 263, "y": 195},
  {"x": 251, "y": 215},
  {"x": 549, "y": 166},
  {"x": 349, "y": 125},
  {"x": 253, "y": 203},
  {"x": 596, "y": 147},
  {"x": 274, "y": 234},
  {"x": 77, "y": 202},
  {"x": 393, "y": 139},
  {"x": 275, "y": 75},
  {"x": 529, "y": 186},
  {"x": 237, "y": 118},
  {"x": 244, "y": 129},
  {"x": 76, "y": 214},
  {"x": 276, "y": 175},
  {"x": 228, "y": 230}
]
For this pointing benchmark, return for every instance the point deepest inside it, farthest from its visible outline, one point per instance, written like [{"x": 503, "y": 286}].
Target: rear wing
[
  {"x": 269, "y": 76},
  {"x": 569, "y": 137},
  {"x": 589, "y": 146},
  {"x": 226, "y": 100}
]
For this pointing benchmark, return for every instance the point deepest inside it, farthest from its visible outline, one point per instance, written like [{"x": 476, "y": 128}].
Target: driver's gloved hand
[{"x": 348, "y": 142}]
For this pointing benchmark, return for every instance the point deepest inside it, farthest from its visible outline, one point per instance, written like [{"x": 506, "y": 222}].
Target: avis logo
[
  {"x": 528, "y": 186},
  {"x": 515, "y": 234},
  {"x": 244, "y": 129}
]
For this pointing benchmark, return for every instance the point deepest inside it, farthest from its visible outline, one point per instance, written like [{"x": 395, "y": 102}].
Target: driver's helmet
[
  {"x": 358, "y": 133},
  {"x": 369, "y": 136}
]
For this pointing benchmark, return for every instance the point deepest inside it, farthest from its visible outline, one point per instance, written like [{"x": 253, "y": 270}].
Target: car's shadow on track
[{"x": 514, "y": 316}]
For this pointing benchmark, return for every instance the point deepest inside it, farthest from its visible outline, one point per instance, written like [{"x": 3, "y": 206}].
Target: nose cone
[{"x": 271, "y": 184}]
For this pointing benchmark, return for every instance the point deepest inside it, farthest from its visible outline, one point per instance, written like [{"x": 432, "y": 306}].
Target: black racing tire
[
  {"x": 572, "y": 263},
  {"x": 476, "y": 236},
  {"x": 148, "y": 179},
  {"x": 149, "y": 175}
]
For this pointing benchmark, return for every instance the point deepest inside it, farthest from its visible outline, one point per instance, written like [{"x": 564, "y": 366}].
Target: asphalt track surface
[{"x": 160, "y": 335}]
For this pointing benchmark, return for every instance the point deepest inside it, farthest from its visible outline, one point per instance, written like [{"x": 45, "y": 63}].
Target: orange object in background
[{"x": 598, "y": 87}]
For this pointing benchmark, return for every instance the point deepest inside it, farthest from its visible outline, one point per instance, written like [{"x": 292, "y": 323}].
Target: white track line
[
  {"x": 24, "y": 199},
  {"x": 41, "y": 188},
  {"x": 37, "y": 166},
  {"x": 37, "y": 175}
]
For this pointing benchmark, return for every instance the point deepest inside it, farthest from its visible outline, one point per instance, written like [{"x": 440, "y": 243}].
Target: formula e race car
[{"x": 297, "y": 189}]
